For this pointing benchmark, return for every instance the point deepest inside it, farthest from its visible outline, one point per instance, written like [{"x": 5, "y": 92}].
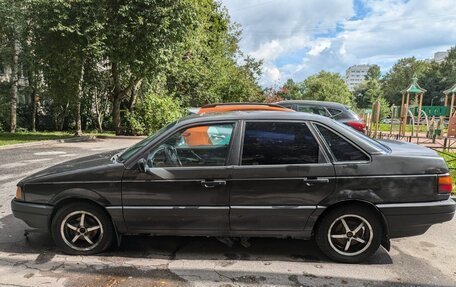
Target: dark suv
[
  {"x": 332, "y": 110},
  {"x": 246, "y": 174}
]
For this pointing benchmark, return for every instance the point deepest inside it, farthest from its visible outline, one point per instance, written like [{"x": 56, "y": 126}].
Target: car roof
[
  {"x": 315, "y": 103},
  {"x": 226, "y": 107},
  {"x": 250, "y": 115}
]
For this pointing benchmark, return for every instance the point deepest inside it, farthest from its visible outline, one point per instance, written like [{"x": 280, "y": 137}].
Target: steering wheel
[{"x": 171, "y": 156}]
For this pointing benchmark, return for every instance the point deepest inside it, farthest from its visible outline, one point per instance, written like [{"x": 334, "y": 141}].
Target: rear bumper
[
  {"x": 409, "y": 219},
  {"x": 35, "y": 215}
]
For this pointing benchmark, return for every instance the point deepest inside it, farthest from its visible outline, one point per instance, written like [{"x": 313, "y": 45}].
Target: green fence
[{"x": 431, "y": 111}]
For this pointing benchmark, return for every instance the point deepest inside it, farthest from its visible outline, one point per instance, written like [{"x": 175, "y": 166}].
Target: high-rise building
[
  {"x": 354, "y": 75},
  {"x": 440, "y": 56}
]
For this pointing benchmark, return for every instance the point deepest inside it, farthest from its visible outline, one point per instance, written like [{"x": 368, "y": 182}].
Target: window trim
[
  {"x": 334, "y": 160},
  {"x": 228, "y": 159},
  {"x": 242, "y": 136}
]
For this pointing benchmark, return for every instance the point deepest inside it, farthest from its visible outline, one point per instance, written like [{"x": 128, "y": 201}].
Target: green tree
[
  {"x": 433, "y": 81},
  {"x": 327, "y": 86},
  {"x": 292, "y": 90},
  {"x": 373, "y": 73},
  {"x": 211, "y": 67},
  {"x": 12, "y": 19},
  {"x": 141, "y": 39},
  {"x": 400, "y": 76},
  {"x": 153, "y": 112},
  {"x": 67, "y": 36},
  {"x": 366, "y": 93},
  {"x": 448, "y": 69}
]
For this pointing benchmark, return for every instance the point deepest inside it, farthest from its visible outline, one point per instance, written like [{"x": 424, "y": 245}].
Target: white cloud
[
  {"x": 297, "y": 38},
  {"x": 271, "y": 75}
]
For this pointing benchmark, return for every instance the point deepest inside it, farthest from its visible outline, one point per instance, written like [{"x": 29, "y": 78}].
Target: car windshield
[
  {"x": 129, "y": 152},
  {"x": 371, "y": 141}
]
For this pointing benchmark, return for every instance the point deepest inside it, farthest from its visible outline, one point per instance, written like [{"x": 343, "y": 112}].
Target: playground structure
[{"x": 433, "y": 126}]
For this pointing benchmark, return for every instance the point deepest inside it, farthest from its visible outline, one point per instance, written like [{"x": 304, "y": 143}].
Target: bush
[{"x": 152, "y": 113}]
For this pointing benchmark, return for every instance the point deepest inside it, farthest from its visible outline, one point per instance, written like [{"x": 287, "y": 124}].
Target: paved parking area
[{"x": 427, "y": 260}]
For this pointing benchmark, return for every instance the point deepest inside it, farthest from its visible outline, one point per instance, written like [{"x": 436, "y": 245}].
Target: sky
[{"x": 298, "y": 38}]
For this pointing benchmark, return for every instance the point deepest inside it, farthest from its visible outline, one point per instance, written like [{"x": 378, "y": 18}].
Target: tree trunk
[
  {"x": 100, "y": 123},
  {"x": 33, "y": 106},
  {"x": 119, "y": 94},
  {"x": 78, "y": 131},
  {"x": 14, "y": 80},
  {"x": 116, "y": 99},
  {"x": 98, "y": 112},
  {"x": 116, "y": 114}
]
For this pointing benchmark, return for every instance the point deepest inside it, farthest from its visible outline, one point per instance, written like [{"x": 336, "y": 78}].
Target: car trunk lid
[{"x": 408, "y": 149}]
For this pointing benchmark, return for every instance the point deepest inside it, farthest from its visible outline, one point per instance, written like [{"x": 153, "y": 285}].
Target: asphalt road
[{"x": 424, "y": 260}]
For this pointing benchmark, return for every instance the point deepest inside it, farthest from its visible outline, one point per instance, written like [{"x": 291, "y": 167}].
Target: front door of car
[
  {"x": 183, "y": 186},
  {"x": 282, "y": 175}
]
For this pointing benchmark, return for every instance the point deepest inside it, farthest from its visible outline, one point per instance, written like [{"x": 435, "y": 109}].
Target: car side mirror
[{"x": 142, "y": 165}]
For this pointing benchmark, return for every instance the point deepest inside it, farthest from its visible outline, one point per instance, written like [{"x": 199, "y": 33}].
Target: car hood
[
  {"x": 82, "y": 164},
  {"x": 408, "y": 149}
]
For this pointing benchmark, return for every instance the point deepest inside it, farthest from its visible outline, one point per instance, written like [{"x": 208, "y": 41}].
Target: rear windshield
[{"x": 352, "y": 113}]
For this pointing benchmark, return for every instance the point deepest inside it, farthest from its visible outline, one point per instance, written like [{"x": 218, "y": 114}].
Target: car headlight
[{"x": 19, "y": 193}]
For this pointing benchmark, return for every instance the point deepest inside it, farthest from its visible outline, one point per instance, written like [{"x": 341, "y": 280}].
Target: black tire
[
  {"x": 102, "y": 238},
  {"x": 332, "y": 224}
]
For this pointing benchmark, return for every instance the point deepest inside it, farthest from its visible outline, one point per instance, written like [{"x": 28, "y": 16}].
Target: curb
[
  {"x": 44, "y": 142},
  {"x": 87, "y": 138},
  {"x": 121, "y": 137}
]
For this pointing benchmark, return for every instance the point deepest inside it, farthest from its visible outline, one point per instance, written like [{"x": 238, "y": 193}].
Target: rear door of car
[{"x": 283, "y": 173}]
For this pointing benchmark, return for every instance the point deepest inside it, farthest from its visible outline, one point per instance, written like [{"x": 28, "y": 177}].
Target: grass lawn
[
  {"x": 25, "y": 137},
  {"x": 408, "y": 128}
]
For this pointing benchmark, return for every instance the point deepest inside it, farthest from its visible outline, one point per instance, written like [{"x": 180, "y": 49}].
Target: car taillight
[
  {"x": 357, "y": 125},
  {"x": 445, "y": 184}
]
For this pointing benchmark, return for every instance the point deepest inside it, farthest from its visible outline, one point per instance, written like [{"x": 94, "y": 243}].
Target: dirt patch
[{"x": 124, "y": 276}]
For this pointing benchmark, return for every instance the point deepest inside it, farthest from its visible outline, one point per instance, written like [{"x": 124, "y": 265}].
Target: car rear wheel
[
  {"x": 349, "y": 234},
  {"x": 82, "y": 228}
]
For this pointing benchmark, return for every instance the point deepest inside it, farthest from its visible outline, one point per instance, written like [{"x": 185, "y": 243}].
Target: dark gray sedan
[{"x": 244, "y": 174}]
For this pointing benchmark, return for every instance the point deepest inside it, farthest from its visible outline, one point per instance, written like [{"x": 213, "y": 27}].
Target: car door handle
[
  {"x": 312, "y": 181},
  {"x": 212, "y": 183}
]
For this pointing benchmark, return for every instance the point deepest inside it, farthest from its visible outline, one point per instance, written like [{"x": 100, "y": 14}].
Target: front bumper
[
  {"x": 410, "y": 219},
  {"x": 35, "y": 215}
]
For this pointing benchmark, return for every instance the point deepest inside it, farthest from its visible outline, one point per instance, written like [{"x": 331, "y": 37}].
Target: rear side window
[
  {"x": 334, "y": 112},
  {"x": 313, "y": 110},
  {"x": 340, "y": 148},
  {"x": 269, "y": 143}
]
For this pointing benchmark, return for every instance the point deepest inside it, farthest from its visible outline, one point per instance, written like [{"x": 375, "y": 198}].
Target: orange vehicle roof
[{"x": 220, "y": 108}]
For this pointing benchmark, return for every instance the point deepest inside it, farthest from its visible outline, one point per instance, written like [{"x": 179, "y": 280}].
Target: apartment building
[{"x": 354, "y": 75}]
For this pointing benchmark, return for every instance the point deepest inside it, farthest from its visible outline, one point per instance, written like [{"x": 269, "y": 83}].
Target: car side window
[
  {"x": 269, "y": 143},
  {"x": 341, "y": 148},
  {"x": 334, "y": 112},
  {"x": 313, "y": 110},
  {"x": 205, "y": 145}
]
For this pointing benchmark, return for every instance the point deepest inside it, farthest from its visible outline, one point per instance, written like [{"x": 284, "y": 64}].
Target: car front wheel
[
  {"x": 82, "y": 228},
  {"x": 349, "y": 234}
]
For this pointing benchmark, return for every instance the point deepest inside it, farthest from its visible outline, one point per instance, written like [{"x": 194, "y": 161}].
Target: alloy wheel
[
  {"x": 350, "y": 235},
  {"x": 81, "y": 230}
]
